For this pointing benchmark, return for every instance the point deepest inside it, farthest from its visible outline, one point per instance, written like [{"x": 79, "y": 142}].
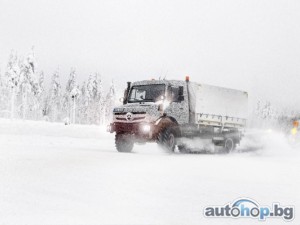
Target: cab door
[{"x": 178, "y": 104}]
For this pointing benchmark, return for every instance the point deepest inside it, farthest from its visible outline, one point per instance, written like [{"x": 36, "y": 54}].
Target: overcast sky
[{"x": 252, "y": 45}]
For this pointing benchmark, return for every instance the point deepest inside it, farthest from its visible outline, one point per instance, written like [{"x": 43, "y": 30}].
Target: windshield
[{"x": 146, "y": 93}]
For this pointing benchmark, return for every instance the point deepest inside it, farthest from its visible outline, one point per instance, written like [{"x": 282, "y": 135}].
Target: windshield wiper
[
  {"x": 140, "y": 100},
  {"x": 148, "y": 100},
  {"x": 135, "y": 100}
]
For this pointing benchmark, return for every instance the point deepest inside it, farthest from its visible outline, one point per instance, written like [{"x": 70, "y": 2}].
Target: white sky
[{"x": 252, "y": 45}]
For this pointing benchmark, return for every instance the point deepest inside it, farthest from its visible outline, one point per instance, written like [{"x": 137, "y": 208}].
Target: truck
[{"x": 172, "y": 112}]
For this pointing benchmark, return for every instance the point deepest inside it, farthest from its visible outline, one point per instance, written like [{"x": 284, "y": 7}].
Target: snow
[{"x": 56, "y": 174}]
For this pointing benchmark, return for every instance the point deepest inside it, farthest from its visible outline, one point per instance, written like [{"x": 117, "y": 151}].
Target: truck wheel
[
  {"x": 229, "y": 145},
  {"x": 124, "y": 142},
  {"x": 167, "y": 139},
  {"x": 183, "y": 149}
]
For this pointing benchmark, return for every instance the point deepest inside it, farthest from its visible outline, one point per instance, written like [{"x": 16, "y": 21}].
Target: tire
[
  {"x": 229, "y": 145},
  {"x": 167, "y": 139},
  {"x": 124, "y": 142},
  {"x": 183, "y": 149}
]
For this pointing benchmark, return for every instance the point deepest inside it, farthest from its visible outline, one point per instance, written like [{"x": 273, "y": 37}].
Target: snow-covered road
[{"x": 56, "y": 174}]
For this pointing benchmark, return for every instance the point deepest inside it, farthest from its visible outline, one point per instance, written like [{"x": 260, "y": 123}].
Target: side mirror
[
  {"x": 180, "y": 94},
  {"x": 180, "y": 98},
  {"x": 124, "y": 99},
  {"x": 180, "y": 91}
]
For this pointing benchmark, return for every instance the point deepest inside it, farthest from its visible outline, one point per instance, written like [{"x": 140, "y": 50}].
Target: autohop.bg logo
[{"x": 248, "y": 208}]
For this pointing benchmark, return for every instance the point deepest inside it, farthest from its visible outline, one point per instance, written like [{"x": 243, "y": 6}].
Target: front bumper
[{"x": 142, "y": 130}]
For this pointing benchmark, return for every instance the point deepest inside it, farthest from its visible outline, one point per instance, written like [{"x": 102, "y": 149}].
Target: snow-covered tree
[
  {"x": 110, "y": 102},
  {"x": 83, "y": 104},
  {"x": 12, "y": 76},
  {"x": 75, "y": 93},
  {"x": 40, "y": 96},
  {"x": 55, "y": 97},
  {"x": 29, "y": 87},
  {"x": 42, "y": 82},
  {"x": 101, "y": 102},
  {"x": 67, "y": 99},
  {"x": 92, "y": 89},
  {"x": 71, "y": 83},
  {"x": 3, "y": 96},
  {"x": 94, "y": 99}
]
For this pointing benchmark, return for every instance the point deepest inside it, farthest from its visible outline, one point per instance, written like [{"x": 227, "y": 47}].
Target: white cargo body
[{"x": 217, "y": 106}]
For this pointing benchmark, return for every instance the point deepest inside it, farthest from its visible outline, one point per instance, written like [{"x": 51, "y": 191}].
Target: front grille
[
  {"x": 134, "y": 119},
  {"x": 118, "y": 118},
  {"x": 120, "y": 113},
  {"x": 124, "y": 113},
  {"x": 138, "y": 118}
]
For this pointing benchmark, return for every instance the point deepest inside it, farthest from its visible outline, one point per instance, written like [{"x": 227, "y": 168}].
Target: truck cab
[{"x": 149, "y": 106}]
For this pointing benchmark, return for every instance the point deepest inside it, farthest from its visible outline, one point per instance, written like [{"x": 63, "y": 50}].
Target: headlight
[
  {"x": 146, "y": 128},
  {"x": 163, "y": 103},
  {"x": 294, "y": 131},
  {"x": 166, "y": 104}
]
